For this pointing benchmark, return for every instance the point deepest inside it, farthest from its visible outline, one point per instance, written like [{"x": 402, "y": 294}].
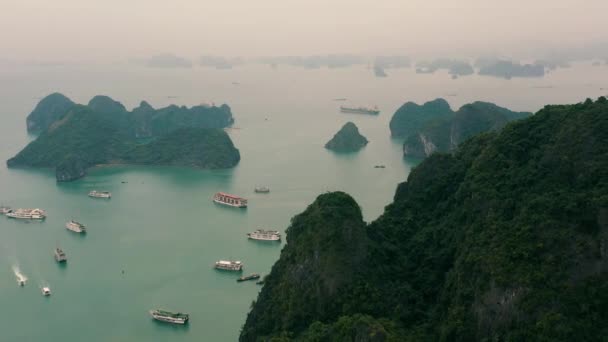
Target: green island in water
[
  {"x": 76, "y": 137},
  {"x": 503, "y": 239},
  {"x": 348, "y": 139}
]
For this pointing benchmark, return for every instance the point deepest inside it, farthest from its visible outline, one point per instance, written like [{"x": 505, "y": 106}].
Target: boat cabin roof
[{"x": 229, "y": 195}]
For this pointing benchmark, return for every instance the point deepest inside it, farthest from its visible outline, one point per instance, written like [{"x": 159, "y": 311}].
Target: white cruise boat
[
  {"x": 230, "y": 200},
  {"x": 46, "y": 291},
  {"x": 4, "y": 210},
  {"x": 76, "y": 227},
  {"x": 265, "y": 235},
  {"x": 60, "y": 255},
  {"x": 27, "y": 214},
  {"x": 100, "y": 194},
  {"x": 229, "y": 265}
]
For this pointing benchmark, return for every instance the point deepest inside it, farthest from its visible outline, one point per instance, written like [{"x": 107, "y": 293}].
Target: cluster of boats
[
  {"x": 39, "y": 214},
  {"x": 158, "y": 314}
]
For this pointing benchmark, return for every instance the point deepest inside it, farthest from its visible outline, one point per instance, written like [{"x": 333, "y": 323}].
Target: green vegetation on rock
[
  {"x": 348, "y": 139},
  {"x": 411, "y": 117},
  {"x": 104, "y": 132},
  {"x": 50, "y": 109},
  {"x": 445, "y": 134},
  {"x": 505, "y": 239}
]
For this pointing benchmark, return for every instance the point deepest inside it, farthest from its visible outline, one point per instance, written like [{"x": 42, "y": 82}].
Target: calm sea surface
[{"x": 161, "y": 228}]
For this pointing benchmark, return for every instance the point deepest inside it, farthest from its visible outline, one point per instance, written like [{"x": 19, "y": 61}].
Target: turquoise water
[{"x": 161, "y": 227}]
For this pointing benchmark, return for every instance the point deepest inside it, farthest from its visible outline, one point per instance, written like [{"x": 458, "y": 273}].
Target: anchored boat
[
  {"x": 265, "y": 235},
  {"x": 27, "y": 214},
  {"x": 170, "y": 317},
  {"x": 76, "y": 227},
  {"x": 360, "y": 110},
  {"x": 100, "y": 194},
  {"x": 229, "y": 265},
  {"x": 46, "y": 291},
  {"x": 262, "y": 189},
  {"x": 60, "y": 255},
  {"x": 230, "y": 200},
  {"x": 252, "y": 276}
]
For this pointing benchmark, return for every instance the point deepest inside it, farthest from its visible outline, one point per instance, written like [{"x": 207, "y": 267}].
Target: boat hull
[
  {"x": 274, "y": 238},
  {"x": 19, "y": 217},
  {"x": 166, "y": 319},
  {"x": 243, "y": 206},
  {"x": 359, "y": 111},
  {"x": 74, "y": 228}
]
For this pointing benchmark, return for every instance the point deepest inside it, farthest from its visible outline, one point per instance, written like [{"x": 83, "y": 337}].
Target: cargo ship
[{"x": 360, "y": 110}]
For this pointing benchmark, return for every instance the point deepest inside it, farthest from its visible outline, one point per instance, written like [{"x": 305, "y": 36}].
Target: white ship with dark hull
[
  {"x": 265, "y": 235},
  {"x": 230, "y": 200},
  {"x": 100, "y": 194},
  {"x": 170, "y": 317},
  {"x": 360, "y": 110},
  {"x": 76, "y": 227},
  {"x": 4, "y": 210},
  {"x": 46, "y": 291},
  {"x": 27, "y": 214},
  {"x": 228, "y": 265}
]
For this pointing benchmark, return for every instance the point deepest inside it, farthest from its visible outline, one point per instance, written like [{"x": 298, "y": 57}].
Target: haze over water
[{"x": 161, "y": 227}]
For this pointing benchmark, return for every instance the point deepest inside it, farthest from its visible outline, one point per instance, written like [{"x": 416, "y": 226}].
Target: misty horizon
[{"x": 69, "y": 31}]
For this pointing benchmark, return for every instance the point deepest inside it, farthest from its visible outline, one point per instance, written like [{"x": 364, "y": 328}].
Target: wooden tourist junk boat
[{"x": 230, "y": 200}]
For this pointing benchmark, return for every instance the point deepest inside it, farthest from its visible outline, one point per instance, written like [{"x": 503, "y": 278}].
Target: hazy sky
[{"x": 116, "y": 30}]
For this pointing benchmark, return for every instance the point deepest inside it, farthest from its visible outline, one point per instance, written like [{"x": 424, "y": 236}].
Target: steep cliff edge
[
  {"x": 325, "y": 245},
  {"x": 411, "y": 117},
  {"x": 504, "y": 240},
  {"x": 50, "y": 109},
  {"x": 445, "y": 134}
]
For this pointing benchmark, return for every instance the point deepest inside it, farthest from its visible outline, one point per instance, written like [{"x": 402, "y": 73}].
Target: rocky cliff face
[
  {"x": 444, "y": 135},
  {"x": 50, "y": 109},
  {"x": 503, "y": 240},
  {"x": 71, "y": 168},
  {"x": 348, "y": 139},
  {"x": 411, "y": 117},
  {"x": 325, "y": 244}
]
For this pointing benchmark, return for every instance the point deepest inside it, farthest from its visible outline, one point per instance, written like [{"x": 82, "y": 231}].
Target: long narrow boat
[
  {"x": 252, "y": 276},
  {"x": 170, "y": 317},
  {"x": 27, "y": 214},
  {"x": 100, "y": 194}
]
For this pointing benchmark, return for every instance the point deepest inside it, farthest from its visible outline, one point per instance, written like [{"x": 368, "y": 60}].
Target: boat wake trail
[{"x": 21, "y": 278}]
